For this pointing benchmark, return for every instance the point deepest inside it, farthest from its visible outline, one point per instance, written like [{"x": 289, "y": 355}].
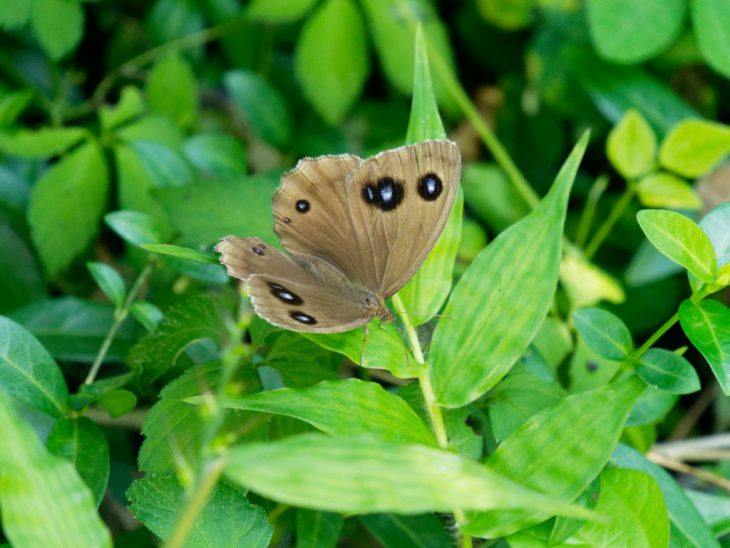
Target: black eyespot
[
  {"x": 258, "y": 250},
  {"x": 301, "y": 317},
  {"x": 283, "y": 294},
  {"x": 430, "y": 187},
  {"x": 386, "y": 194},
  {"x": 287, "y": 220},
  {"x": 303, "y": 206}
]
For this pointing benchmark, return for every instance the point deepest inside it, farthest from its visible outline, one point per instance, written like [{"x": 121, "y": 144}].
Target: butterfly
[{"x": 356, "y": 231}]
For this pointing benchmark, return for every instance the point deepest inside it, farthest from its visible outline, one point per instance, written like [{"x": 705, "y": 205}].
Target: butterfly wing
[
  {"x": 400, "y": 200},
  {"x": 310, "y": 211},
  {"x": 294, "y": 295}
]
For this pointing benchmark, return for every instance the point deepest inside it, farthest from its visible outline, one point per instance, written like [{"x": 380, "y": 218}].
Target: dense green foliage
[{"x": 566, "y": 342}]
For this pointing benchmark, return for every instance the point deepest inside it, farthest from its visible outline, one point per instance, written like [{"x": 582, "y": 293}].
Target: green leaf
[
  {"x": 383, "y": 349},
  {"x": 707, "y": 325},
  {"x": 182, "y": 252},
  {"x": 508, "y": 14},
  {"x": 189, "y": 320},
  {"x": 43, "y": 500},
  {"x": 604, "y": 333},
  {"x": 74, "y": 329},
  {"x": 263, "y": 108},
  {"x": 227, "y": 519},
  {"x": 174, "y": 430},
  {"x": 399, "y": 531},
  {"x": 518, "y": 272},
  {"x": 560, "y": 450},
  {"x": 15, "y": 13},
  {"x": 172, "y": 90},
  {"x": 58, "y": 25},
  {"x": 82, "y": 443},
  {"x": 279, "y": 11},
  {"x": 165, "y": 166},
  {"x": 135, "y": 227},
  {"x": 216, "y": 154},
  {"x": 585, "y": 283},
  {"x": 118, "y": 402},
  {"x": 688, "y": 528},
  {"x": 716, "y": 224},
  {"x": 651, "y": 407},
  {"x": 631, "y": 145},
  {"x": 341, "y": 408},
  {"x": 708, "y": 22},
  {"x": 624, "y": 31},
  {"x": 147, "y": 314},
  {"x": 667, "y": 371},
  {"x": 363, "y": 474},
  {"x": 66, "y": 206},
  {"x": 222, "y": 202},
  {"x": 666, "y": 190},
  {"x": 129, "y": 106},
  {"x": 681, "y": 240},
  {"x": 28, "y": 372},
  {"x": 109, "y": 281},
  {"x": 40, "y": 143},
  {"x": 633, "y": 505},
  {"x": 715, "y": 510},
  {"x": 300, "y": 362},
  {"x": 317, "y": 529},
  {"x": 693, "y": 147},
  {"x": 492, "y": 196},
  {"x": 13, "y": 104},
  {"x": 21, "y": 279},
  {"x": 331, "y": 60}
]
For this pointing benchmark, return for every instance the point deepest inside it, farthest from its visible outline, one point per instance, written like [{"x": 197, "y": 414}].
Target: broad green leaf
[
  {"x": 118, "y": 402},
  {"x": 222, "y": 203},
  {"x": 174, "y": 429},
  {"x": 331, "y": 61},
  {"x": 57, "y": 39},
  {"x": 317, "y": 529},
  {"x": 15, "y": 13},
  {"x": 28, "y": 372},
  {"x": 300, "y": 362},
  {"x": 636, "y": 515},
  {"x": 134, "y": 185},
  {"x": 707, "y": 325},
  {"x": 508, "y": 14},
  {"x": 109, "y": 281},
  {"x": 585, "y": 283},
  {"x": 651, "y": 407},
  {"x": 341, "y": 408},
  {"x": 74, "y": 329},
  {"x": 181, "y": 252},
  {"x": 688, "y": 528},
  {"x": 518, "y": 271},
  {"x": 392, "y": 25},
  {"x": 560, "y": 450},
  {"x": 631, "y": 145},
  {"x": 709, "y": 18},
  {"x": 129, "y": 106},
  {"x": 364, "y": 474},
  {"x": 399, "y": 531},
  {"x": 492, "y": 196},
  {"x": 261, "y": 105},
  {"x": 172, "y": 89},
  {"x": 165, "y": 166},
  {"x": 694, "y": 146},
  {"x": 383, "y": 349},
  {"x": 135, "y": 227},
  {"x": 681, "y": 240},
  {"x": 66, "y": 206},
  {"x": 82, "y": 443},
  {"x": 715, "y": 510},
  {"x": 43, "y": 500},
  {"x": 227, "y": 519},
  {"x": 216, "y": 154},
  {"x": 604, "y": 333},
  {"x": 189, "y": 320},
  {"x": 666, "y": 190},
  {"x": 41, "y": 143},
  {"x": 279, "y": 11},
  {"x": 624, "y": 31},
  {"x": 667, "y": 371}
]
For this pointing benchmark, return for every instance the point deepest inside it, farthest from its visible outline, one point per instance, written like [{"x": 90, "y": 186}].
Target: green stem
[
  {"x": 429, "y": 398},
  {"x": 605, "y": 229},
  {"x": 119, "y": 316},
  {"x": 589, "y": 211}
]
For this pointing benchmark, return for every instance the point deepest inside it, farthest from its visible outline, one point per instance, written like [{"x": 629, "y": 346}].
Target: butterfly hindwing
[{"x": 288, "y": 293}]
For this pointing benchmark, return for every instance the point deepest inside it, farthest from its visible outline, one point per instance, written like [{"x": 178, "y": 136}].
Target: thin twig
[
  {"x": 683, "y": 468},
  {"x": 607, "y": 226}
]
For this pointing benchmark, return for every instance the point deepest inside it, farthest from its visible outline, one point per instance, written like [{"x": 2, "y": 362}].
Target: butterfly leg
[{"x": 366, "y": 332}]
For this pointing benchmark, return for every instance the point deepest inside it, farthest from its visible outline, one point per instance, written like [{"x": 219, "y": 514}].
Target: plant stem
[
  {"x": 429, "y": 398},
  {"x": 195, "y": 503},
  {"x": 605, "y": 229},
  {"x": 119, "y": 316},
  {"x": 589, "y": 211}
]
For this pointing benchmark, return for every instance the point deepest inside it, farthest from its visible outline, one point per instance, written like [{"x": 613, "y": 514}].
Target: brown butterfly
[{"x": 356, "y": 231}]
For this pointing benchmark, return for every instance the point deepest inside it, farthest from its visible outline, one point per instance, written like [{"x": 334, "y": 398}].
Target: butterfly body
[{"x": 356, "y": 231}]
